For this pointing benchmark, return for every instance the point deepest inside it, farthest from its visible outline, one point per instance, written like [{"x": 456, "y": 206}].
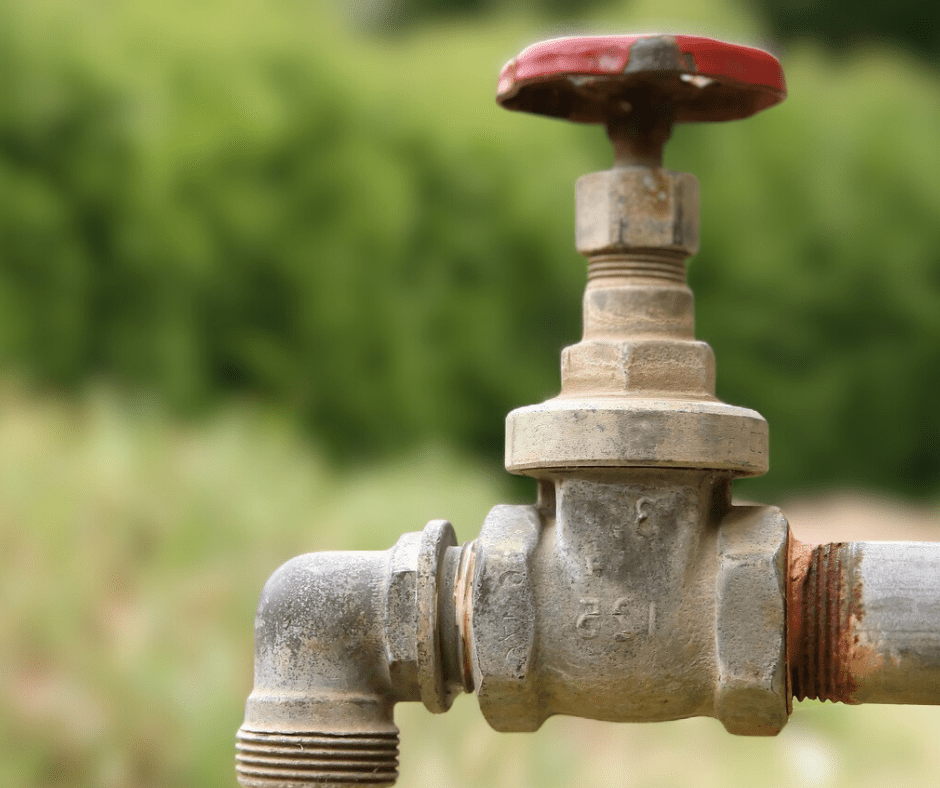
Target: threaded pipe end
[
  {"x": 301, "y": 760},
  {"x": 820, "y": 631},
  {"x": 653, "y": 264}
]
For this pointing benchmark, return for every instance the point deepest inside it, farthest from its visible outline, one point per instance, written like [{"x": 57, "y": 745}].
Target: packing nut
[{"x": 629, "y": 208}]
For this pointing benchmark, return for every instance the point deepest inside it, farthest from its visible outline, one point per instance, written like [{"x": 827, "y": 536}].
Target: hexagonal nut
[
  {"x": 637, "y": 208},
  {"x": 752, "y": 695},
  {"x": 652, "y": 366},
  {"x": 401, "y": 612},
  {"x": 503, "y": 618}
]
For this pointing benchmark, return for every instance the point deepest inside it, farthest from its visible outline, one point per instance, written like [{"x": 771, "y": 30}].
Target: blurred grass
[{"x": 132, "y": 551}]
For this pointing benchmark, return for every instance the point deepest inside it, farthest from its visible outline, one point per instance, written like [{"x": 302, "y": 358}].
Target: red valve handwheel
[{"x": 598, "y": 78}]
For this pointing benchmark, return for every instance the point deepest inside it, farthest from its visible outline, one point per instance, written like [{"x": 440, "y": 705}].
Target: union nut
[
  {"x": 752, "y": 696},
  {"x": 630, "y": 208},
  {"x": 503, "y": 618},
  {"x": 412, "y": 634}
]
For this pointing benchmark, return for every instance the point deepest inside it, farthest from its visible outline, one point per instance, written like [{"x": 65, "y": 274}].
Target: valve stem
[{"x": 640, "y": 134}]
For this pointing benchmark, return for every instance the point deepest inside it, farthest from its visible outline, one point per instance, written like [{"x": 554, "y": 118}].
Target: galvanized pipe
[{"x": 864, "y": 622}]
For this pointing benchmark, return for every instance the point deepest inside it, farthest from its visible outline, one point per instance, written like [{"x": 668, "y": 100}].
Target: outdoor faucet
[{"x": 633, "y": 589}]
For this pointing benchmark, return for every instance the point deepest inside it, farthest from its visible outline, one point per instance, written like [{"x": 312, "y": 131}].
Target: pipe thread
[
  {"x": 265, "y": 759},
  {"x": 653, "y": 264},
  {"x": 819, "y": 646}
]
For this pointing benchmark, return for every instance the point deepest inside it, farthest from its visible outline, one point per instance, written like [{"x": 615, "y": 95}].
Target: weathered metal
[
  {"x": 864, "y": 622},
  {"x": 627, "y": 605},
  {"x": 321, "y": 708},
  {"x": 588, "y": 78},
  {"x": 635, "y": 207},
  {"x": 633, "y": 590},
  {"x": 339, "y": 639}
]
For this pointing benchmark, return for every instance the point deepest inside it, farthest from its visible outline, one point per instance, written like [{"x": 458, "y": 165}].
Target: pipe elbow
[
  {"x": 321, "y": 711},
  {"x": 339, "y": 639}
]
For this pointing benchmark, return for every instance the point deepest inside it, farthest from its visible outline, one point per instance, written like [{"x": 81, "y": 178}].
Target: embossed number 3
[
  {"x": 588, "y": 623},
  {"x": 644, "y": 508}
]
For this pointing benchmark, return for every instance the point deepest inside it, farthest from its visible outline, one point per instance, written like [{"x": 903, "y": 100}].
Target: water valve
[{"x": 633, "y": 589}]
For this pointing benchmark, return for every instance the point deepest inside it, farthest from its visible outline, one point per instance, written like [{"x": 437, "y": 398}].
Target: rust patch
[
  {"x": 823, "y": 608},
  {"x": 864, "y": 659},
  {"x": 658, "y": 53},
  {"x": 798, "y": 561}
]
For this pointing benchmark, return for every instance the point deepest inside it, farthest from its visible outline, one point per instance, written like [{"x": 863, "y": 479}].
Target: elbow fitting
[{"x": 340, "y": 637}]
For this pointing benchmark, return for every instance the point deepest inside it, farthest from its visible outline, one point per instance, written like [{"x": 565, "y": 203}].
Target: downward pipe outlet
[
  {"x": 339, "y": 639},
  {"x": 633, "y": 590},
  {"x": 321, "y": 709}
]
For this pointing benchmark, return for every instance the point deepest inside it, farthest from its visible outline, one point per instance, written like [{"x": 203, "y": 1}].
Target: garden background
[{"x": 272, "y": 274}]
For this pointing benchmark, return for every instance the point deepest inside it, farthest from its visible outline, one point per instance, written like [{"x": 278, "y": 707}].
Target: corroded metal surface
[
  {"x": 321, "y": 709},
  {"x": 437, "y": 693},
  {"x": 628, "y": 601},
  {"x": 269, "y": 759},
  {"x": 637, "y": 207},
  {"x": 639, "y": 432},
  {"x": 864, "y": 622},
  {"x": 339, "y": 639},
  {"x": 503, "y": 611},
  {"x": 638, "y": 390},
  {"x": 822, "y": 602},
  {"x": 752, "y": 696}
]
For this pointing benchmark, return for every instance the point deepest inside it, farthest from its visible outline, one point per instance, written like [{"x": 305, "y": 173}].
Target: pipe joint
[{"x": 340, "y": 637}]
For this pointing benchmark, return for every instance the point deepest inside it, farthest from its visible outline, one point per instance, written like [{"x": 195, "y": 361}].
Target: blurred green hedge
[{"x": 201, "y": 199}]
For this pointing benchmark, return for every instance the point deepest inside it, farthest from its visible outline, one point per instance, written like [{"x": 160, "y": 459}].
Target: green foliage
[
  {"x": 914, "y": 24},
  {"x": 819, "y": 280},
  {"x": 206, "y": 198},
  {"x": 198, "y": 215},
  {"x": 396, "y": 16}
]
